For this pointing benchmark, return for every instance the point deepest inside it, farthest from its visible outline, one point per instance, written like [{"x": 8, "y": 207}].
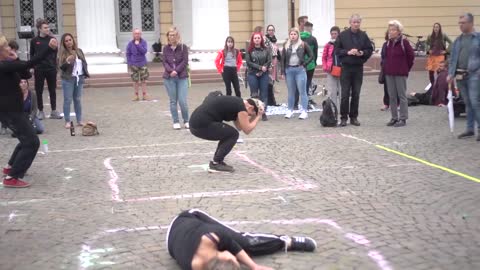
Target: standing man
[
  {"x": 353, "y": 47},
  {"x": 311, "y": 41},
  {"x": 302, "y": 20},
  {"x": 137, "y": 61},
  {"x": 46, "y": 69},
  {"x": 465, "y": 68}
]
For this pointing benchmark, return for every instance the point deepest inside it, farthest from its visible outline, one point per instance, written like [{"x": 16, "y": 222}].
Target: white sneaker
[
  {"x": 240, "y": 140},
  {"x": 176, "y": 126},
  {"x": 187, "y": 125},
  {"x": 289, "y": 114},
  {"x": 303, "y": 115}
]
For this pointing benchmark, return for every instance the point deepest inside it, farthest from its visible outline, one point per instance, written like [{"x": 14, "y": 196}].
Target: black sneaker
[
  {"x": 466, "y": 134},
  {"x": 354, "y": 122},
  {"x": 400, "y": 123},
  {"x": 219, "y": 167},
  {"x": 301, "y": 243},
  {"x": 392, "y": 122},
  {"x": 343, "y": 123}
]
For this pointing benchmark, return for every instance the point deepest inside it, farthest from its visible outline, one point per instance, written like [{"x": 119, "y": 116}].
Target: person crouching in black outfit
[
  {"x": 206, "y": 123},
  {"x": 11, "y": 112},
  {"x": 353, "y": 47}
]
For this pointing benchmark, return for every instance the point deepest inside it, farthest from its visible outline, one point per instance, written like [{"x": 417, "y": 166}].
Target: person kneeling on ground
[
  {"x": 206, "y": 123},
  {"x": 198, "y": 241}
]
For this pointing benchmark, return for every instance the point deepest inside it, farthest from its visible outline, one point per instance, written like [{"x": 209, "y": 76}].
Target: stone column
[
  {"x": 96, "y": 32},
  {"x": 322, "y": 15},
  {"x": 203, "y": 24},
  {"x": 276, "y": 13}
]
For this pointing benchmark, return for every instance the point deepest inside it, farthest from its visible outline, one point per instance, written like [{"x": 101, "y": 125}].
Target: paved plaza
[{"x": 373, "y": 197}]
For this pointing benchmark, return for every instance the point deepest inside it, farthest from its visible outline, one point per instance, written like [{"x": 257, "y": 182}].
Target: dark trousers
[
  {"x": 217, "y": 131},
  {"x": 351, "y": 81},
  {"x": 230, "y": 77},
  {"x": 271, "y": 96},
  {"x": 253, "y": 244},
  {"x": 51, "y": 77},
  {"x": 26, "y": 150}
]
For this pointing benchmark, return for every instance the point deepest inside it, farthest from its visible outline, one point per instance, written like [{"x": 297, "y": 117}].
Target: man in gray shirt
[{"x": 465, "y": 68}]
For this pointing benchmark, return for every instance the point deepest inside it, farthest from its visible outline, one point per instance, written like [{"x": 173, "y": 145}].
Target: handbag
[
  {"x": 90, "y": 129},
  {"x": 381, "y": 76},
  {"x": 336, "y": 70}
]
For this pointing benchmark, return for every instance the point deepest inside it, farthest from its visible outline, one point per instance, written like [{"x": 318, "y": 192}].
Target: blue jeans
[
  {"x": 177, "y": 90},
  {"x": 72, "y": 91},
  {"x": 470, "y": 91},
  {"x": 259, "y": 83},
  {"x": 296, "y": 79}
]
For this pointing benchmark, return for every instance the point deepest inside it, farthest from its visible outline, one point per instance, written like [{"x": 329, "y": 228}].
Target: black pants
[
  {"x": 271, "y": 96},
  {"x": 230, "y": 76},
  {"x": 309, "y": 82},
  {"x": 51, "y": 77},
  {"x": 26, "y": 150},
  {"x": 216, "y": 131},
  {"x": 253, "y": 244},
  {"x": 351, "y": 82}
]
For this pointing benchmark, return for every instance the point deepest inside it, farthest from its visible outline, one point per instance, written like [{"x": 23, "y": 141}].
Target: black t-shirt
[
  {"x": 217, "y": 109},
  {"x": 185, "y": 235}
]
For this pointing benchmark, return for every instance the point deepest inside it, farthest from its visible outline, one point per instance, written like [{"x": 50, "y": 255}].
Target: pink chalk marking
[
  {"x": 113, "y": 180},
  {"x": 224, "y": 193},
  {"x": 378, "y": 258},
  {"x": 298, "y": 183}
]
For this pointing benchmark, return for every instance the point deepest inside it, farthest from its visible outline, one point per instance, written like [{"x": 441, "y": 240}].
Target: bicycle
[{"x": 419, "y": 47}]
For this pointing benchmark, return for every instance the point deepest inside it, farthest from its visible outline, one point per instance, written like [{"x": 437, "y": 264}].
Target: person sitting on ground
[
  {"x": 206, "y": 123},
  {"x": 198, "y": 241},
  {"x": 437, "y": 94},
  {"x": 30, "y": 107}
]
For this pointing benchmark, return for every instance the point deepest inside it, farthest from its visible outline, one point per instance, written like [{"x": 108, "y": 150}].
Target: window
[
  {"x": 50, "y": 14},
  {"x": 148, "y": 22},
  {"x": 26, "y": 13},
  {"x": 125, "y": 15}
]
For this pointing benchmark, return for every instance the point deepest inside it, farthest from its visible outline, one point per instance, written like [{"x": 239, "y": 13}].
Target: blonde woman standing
[
  {"x": 73, "y": 67},
  {"x": 294, "y": 65},
  {"x": 175, "y": 62}
]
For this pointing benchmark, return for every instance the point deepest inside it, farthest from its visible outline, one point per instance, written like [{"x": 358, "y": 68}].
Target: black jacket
[
  {"x": 67, "y": 68},
  {"x": 11, "y": 97},
  {"x": 257, "y": 59},
  {"x": 39, "y": 45},
  {"x": 345, "y": 42},
  {"x": 302, "y": 50}
]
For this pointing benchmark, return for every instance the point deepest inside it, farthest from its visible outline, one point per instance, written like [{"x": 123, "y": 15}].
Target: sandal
[{"x": 67, "y": 125}]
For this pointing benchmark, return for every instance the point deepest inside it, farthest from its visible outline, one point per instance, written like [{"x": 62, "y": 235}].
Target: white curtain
[{"x": 96, "y": 26}]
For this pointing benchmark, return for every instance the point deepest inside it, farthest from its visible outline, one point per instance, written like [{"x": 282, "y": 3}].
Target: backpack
[
  {"x": 329, "y": 116},
  {"x": 90, "y": 129}
]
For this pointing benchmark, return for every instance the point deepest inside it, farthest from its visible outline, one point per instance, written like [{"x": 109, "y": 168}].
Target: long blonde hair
[
  {"x": 289, "y": 41},
  {"x": 64, "y": 52},
  {"x": 3, "y": 41}
]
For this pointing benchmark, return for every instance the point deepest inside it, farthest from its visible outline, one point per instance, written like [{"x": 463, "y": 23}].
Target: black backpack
[{"x": 329, "y": 116}]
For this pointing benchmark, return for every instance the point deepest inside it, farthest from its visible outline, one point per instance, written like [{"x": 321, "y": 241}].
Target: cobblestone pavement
[{"x": 104, "y": 202}]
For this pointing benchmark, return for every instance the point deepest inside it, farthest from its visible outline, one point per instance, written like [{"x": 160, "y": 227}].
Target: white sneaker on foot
[
  {"x": 240, "y": 140},
  {"x": 187, "y": 125},
  {"x": 289, "y": 114},
  {"x": 176, "y": 126},
  {"x": 303, "y": 115}
]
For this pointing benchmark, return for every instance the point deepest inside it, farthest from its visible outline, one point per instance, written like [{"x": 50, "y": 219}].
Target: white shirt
[{"x": 77, "y": 67}]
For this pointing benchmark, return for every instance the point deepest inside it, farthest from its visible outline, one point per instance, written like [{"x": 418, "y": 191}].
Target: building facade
[{"x": 105, "y": 26}]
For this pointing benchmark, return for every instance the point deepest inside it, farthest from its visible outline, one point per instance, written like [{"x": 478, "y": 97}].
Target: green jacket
[
  {"x": 313, "y": 44},
  {"x": 445, "y": 40}
]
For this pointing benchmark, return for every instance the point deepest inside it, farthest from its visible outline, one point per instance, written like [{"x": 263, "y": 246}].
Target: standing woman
[
  {"x": 228, "y": 63},
  {"x": 329, "y": 59},
  {"x": 11, "y": 111},
  {"x": 270, "y": 36},
  {"x": 259, "y": 59},
  {"x": 73, "y": 67},
  {"x": 437, "y": 50},
  {"x": 294, "y": 63},
  {"x": 397, "y": 64},
  {"x": 175, "y": 77}
]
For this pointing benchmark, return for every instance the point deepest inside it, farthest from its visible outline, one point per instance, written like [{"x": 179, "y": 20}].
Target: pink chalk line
[
  {"x": 374, "y": 255},
  {"x": 293, "y": 184}
]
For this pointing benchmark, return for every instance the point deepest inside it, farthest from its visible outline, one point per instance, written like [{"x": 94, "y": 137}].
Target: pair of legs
[
  {"x": 51, "y": 77},
  {"x": 470, "y": 91},
  {"x": 254, "y": 244},
  {"x": 226, "y": 136},
  {"x": 259, "y": 88},
  {"x": 297, "y": 81},
  {"x": 72, "y": 91},
  {"x": 309, "y": 83},
  {"x": 26, "y": 150},
  {"x": 139, "y": 77},
  {"x": 230, "y": 77},
  {"x": 334, "y": 88},
  {"x": 351, "y": 82},
  {"x": 177, "y": 90},
  {"x": 397, "y": 89}
]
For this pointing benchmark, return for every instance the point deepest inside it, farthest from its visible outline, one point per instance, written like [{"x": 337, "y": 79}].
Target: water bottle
[
  {"x": 72, "y": 129},
  {"x": 45, "y": 146}
]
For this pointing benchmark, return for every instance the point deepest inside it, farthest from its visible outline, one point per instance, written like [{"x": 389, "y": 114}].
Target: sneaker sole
[
  {"x": 216, "y": 171},
  {"x": 10, "y": 186}
]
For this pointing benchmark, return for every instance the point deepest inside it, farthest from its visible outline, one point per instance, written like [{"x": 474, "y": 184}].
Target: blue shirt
[{"x": 473, "y": 60}]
